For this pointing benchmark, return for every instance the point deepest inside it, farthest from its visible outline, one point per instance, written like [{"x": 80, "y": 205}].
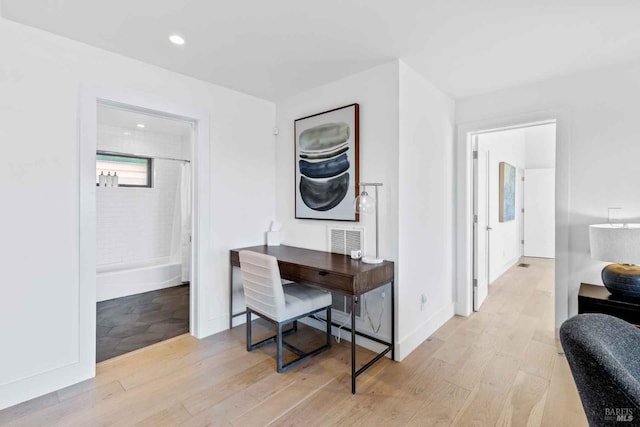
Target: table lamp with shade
[
  {"x": 620, "y": 244},
  {"x": 366, "y": 204}
]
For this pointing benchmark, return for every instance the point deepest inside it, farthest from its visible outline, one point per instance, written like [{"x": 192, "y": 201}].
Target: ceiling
[
  {"x": 127, "y": 119},
  {"x": 275, "y": 49}
]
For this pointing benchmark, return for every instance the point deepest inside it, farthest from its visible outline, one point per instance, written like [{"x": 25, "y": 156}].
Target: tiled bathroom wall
[{"x": 137, "y": 224}]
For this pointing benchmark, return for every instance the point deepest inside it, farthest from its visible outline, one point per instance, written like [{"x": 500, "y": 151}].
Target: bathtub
[{"x": 122, "y": 280}]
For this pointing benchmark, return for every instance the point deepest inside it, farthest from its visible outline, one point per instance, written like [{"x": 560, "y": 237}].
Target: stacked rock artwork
[{"x": 323, "y": 165}]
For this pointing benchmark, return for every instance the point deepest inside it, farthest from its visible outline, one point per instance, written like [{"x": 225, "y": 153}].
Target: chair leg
[
  {"x": 329, "y": 326},
  {"x": 279, "y": 347},
  {"x": 280, "y": 343},
  {"x": 249, "y": 330}
]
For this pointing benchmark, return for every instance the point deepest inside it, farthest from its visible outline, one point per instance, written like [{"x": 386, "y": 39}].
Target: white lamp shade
[{"x": 615, "y": 243}]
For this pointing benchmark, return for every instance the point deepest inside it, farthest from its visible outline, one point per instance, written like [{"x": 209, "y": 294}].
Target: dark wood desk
[
  {"x": 597, "y": 299},
  {"x": 333, "y": 272}
]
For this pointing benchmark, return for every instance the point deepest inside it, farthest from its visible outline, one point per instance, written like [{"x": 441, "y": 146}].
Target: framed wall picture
[
  {"x": 327, "y": 164},
  {"x": 507, "y": 192}
]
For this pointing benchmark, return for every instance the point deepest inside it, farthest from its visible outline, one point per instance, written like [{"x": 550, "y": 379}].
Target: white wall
[
  {"x": 376, "y": 90},
  {"x": 540, "y": 146},
  {"x": 426, "y": 213},
  {"x": 540, "y": 156},
  {"x": 137, "y": 224},
  {"x": 40, "y": 77},
  {"x": 505, "y": 248},
  {"x": 540, "y": 212},
  {"x": 406, "y": 132},
  {"x": 597, "y": 151}
]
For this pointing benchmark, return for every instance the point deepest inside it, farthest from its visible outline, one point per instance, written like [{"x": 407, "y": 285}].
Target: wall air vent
[{"x": 342, "y": 240}]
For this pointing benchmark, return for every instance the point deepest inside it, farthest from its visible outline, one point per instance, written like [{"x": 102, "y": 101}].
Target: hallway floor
[
  {"x": 132, "y": 322},
  {"x": 499, "y": 366}
]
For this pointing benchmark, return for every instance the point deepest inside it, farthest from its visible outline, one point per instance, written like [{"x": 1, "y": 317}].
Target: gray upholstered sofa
[{"x": 604, "y": 355}]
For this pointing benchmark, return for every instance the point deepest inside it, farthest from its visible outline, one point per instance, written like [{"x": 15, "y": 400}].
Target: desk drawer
[{"x": 321, "y": 278}]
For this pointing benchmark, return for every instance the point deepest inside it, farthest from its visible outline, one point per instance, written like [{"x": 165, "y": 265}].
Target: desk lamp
[{"x": 367, "y": 204}]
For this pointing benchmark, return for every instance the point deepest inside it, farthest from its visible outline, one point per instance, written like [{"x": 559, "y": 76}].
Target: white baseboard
[
  {"x": 213, "y": 326},
  {"x": 241, "y": 320},
  {"x": 221, "y": 323},
  {"x": 406, "y": 345},
  {"x": 44, "y": 383},
  {"x": 403, "y": 347},
  {"x": 540, "y": 252},
  {"x": 505, "y": 267},
  {"x": 346, "y": 336}
]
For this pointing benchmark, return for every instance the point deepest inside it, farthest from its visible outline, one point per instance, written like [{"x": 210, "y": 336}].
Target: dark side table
[{"x": 597, "y": 299}]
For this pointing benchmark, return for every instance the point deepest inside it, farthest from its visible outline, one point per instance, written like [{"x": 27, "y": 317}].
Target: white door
[
  {"x": 481, "y": 229},
  {"x": 520, "y": 208},
  {"x": 539, "y": 213}
]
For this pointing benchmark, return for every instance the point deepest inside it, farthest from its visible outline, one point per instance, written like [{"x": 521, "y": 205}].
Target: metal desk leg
[
  {"x": 231, "y": 297},
  {"x": 354, "y": 301},
  {"x": 393, "y": 322}
]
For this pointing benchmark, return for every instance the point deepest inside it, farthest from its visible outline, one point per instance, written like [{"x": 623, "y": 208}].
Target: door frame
[
  {"x": 464, "y": 204},
  {"x": 90, "y": 97},
  {"x": 476, "y": 231},
  {"x": 522, "y": 212}
]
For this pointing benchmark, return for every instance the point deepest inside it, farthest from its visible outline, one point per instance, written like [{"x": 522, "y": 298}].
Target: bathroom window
[{"x": 132, "y": 171}]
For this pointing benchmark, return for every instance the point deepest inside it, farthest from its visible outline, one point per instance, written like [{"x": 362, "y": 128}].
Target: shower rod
[{"x": 116, "y": 153}]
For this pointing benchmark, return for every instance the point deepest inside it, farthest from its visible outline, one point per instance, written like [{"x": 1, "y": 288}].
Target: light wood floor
[{"x": 499, "y": 366}]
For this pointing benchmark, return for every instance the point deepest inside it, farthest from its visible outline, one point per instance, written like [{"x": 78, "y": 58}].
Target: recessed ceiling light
[
  {"x": 127, "y": 133},
  {"x": 176, "y": 39},
  {"x": 140, "y": 125}
]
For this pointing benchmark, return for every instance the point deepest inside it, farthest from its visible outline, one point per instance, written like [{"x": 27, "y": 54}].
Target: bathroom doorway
[
  {"x": 91, "y": 98},
  {"x": 143, "y": 228}
]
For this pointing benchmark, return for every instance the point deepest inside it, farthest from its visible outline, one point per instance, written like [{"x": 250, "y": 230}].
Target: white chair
[{"x": 266, "y": 297}]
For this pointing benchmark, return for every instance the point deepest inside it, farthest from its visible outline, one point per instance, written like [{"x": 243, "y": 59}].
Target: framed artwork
[
  {"x": 507, "y": 192},
  {"x": 327, "y": 164}
]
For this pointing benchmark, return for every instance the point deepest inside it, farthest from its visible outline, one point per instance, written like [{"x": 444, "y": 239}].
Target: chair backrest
[
  {"x": 604, "y": 356},
  {"x": 262, "y": 284}
]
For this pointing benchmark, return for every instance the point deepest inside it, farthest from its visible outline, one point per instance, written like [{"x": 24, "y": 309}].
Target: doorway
[
  {"x": 143, "y": 228},
  {"x": 513, "y": 200},
  {"x": 91, "y": 97}
]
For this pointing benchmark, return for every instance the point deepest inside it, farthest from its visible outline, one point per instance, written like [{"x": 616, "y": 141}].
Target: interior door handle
[{"x": 489, "y": 228}]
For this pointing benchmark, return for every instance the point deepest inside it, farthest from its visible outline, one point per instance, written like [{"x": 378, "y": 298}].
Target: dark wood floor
[{"x": 129, "y": 323}]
